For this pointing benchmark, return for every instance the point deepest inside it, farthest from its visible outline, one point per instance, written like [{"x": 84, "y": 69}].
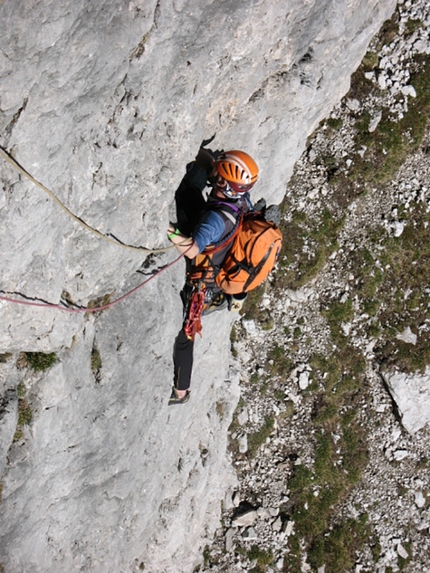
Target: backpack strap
[
  {"x": 230, "y": 213},
  {"x": 226, "y": 241},
  {"x": 205, "y": 267}
]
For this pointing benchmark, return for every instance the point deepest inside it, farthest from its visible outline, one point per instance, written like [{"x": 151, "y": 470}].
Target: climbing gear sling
[{"x": 192, "y": 324}]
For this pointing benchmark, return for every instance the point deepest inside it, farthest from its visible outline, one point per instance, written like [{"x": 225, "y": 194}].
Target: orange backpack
[{"x": 252, "y": 255}]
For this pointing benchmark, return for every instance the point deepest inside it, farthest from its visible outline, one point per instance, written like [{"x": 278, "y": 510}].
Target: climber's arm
[
  {"x": 208, "y": 231},
  {"x": 185, "y": 245}
]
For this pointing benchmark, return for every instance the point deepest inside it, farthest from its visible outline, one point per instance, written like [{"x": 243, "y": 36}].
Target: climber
[{"x": 204, "y": 233}]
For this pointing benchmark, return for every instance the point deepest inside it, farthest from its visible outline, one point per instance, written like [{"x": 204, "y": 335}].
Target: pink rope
[{"x": 108, "y": 305}]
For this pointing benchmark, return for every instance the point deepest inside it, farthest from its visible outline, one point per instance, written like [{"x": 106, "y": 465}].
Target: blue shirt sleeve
[{"x": 209, "y": 230}]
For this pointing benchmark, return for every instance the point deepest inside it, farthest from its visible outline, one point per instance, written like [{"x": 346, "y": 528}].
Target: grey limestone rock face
[
  {"x": 108, "y": 475},
  {"x": 105, "y": 103}
]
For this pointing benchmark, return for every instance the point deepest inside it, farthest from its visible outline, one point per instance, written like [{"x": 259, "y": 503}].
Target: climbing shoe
[
  {"x": 236, "y": 301},
  {"x": 175, "y": 400},
  {"x": 218, "y": 303}
]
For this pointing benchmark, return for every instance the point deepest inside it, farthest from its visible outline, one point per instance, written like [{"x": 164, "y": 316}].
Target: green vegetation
[
  {"x": 279, "y": 363},
  {"x": 337, "y": 550},
  {"x": 387, "y": 288},
  {"x": 389, "y": 277},
  {"x": 340, "y": 456},
  {"x": 334, "y": 123},
  {"x": 262, "y": 557},
  {"x": 388, "y": 32},
  {"x": 423, "y": 463},
  {"x": 393, "y": 140},
  {"x": 370, "y": 61},
  {"x": 388, "y": 267},
  {"x": 40, "y": 361},
  {"x": 336, "y": 314},
  {"x": 406, "y": 260},
  {"x": 252, "y": 309},
  {"x": 206, "y": 555},
  {"x": 402, "y": 561},
  {"x": 383, "y": 272},
  {"x": 258, "y": 438},
  {"x": 320, "y": 234},
  {"x": 24, "y": 413},
  {"x": 315, "y": 494},
  {"x": 240, "y": 550},
  {"x": 412, "y": 25},
  {"x": 379, "y": 154},
  {"x": 387, "y": 295},
  {"x": 96, "y": 361}
]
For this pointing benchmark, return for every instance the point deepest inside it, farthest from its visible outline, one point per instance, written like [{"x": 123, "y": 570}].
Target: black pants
[
  {"x": 189, "y": 206},
  {"x": 183, "y": 352},
  {"x": 183, "y": 361}
]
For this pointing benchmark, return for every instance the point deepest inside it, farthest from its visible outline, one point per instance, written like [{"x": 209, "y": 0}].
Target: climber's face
[
  {"x": 225, "y": 188},
  {"x": 230, "y": 192}
]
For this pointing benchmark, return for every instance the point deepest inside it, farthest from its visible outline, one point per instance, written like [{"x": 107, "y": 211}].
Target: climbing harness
[
  {"x": 21, "y": 170},
  {"x": 204, "y": 268},
  {"x": 203, "y": 274}
]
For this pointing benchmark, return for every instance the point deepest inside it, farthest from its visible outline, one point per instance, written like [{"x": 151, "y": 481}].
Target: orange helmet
[{"x": 238, "y": 169}]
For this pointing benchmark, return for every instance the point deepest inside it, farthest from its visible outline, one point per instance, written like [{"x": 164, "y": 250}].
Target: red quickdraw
[{"x": 193, "y": 325}]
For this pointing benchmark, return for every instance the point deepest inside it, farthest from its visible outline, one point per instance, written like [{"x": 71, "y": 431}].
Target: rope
[
  {"x": 86, "y": 309},
  {"x": 21, "y": 170}
]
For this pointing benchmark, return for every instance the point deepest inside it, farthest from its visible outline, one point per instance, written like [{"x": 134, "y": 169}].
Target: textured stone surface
[
  {"x": 110, "y": 472},
  {"x": 105, "y": 103},
  {"x": 411, "y": 393}
]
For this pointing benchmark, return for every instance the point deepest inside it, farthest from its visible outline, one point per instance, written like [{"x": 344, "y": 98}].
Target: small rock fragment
[
  {"x": 277, "y": 524},
  {"x": 243, "y": 444},
  {"x": 400, "y": 455},
  {"x": 243, "y": 416},
  {"x": 245, "y": 519},
  {"x": 249, "y": 533},
  {"x": 420, "y": 500},
  {"x": 402, "y": 551},
  {"x": 373, "y": 124},
  {"x": 409, "y": 91},
  {"x": 407, "y": 336},
  {"x": 289, "y": 528},
  {"x": 304, "y": 380},
  {"x": 229, "y": 539}
]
